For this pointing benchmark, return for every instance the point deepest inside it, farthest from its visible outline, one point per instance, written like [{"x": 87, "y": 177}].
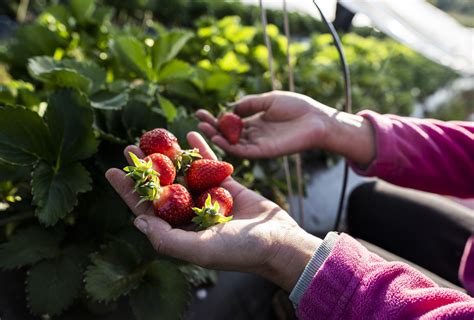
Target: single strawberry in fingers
[
  {"x": 213, "y": 207},
  {"x": 230, "y": 125},
  {"x": 174, "y": 204},
  {"x": 204, "y": 174},
  {"x": 162, "y": 141}
]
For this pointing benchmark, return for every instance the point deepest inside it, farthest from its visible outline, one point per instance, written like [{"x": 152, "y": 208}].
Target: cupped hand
[
  {"x": 262, "y": 238},
  {"x": 275, "y": 123}
]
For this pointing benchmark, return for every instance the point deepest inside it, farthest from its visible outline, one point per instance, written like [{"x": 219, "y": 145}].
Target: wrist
[
  {"x": 290, "y": 260},
  {"x": 351, "y": 136}
]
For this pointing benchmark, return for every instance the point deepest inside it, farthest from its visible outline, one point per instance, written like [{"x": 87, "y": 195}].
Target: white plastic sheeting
[
  {"x": 415, "y": 23},
  {"x": 422, "y": 27}
]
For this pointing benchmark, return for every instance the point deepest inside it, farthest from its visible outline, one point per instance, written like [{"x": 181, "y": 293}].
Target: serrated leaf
[
  {"x": 168, "y": 109},
  {"x": 197, "y": 275},
  {"x": 52, "y": 285},
  {"x": 47, "y": 70},
  {"x": 163, "y": 295},
  {"x": 131, "y": 54},
  {"x": 109, "y": 100},
  {"x": 28, "y": 246},
  {"x": 24, "y": 137},
  {"x": 175, "y": 69},
  {"x": 55, "y": 192},
  {"x": 114, "y": 272},
  {"x": 82, "y": 75},
  {"x": 167, "y": 46},
  {"x": 70, "y": 119}
]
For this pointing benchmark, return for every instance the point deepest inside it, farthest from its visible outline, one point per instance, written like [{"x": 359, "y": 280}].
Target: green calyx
[
  {"x": 209, "y": 215},
  {"x": 184, "y": 160},
  {"x": 147, "y": 181}
]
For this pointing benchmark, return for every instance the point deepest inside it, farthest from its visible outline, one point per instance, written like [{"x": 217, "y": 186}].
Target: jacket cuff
[
  {"x": 384, "y": 161},
  {"x": 312, "y": 267}
]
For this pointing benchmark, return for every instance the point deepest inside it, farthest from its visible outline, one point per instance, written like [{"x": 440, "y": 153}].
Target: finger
[
  {"x": 206, "y": 116},
  {"x": 233, "y": 187},
  {"x": 177, "y": 243},
  {"x": 197, "y": 141},
  {"x": 133, "y": 149},
  {"x": 241, "y": 150},
  {"x": 207, "y": 129},
  {"x": 125, "y": 188},
  {"x": 254, "y": 103}
]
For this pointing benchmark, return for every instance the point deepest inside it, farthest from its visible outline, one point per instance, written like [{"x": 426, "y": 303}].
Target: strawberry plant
[{"x": 77, "y": 85}]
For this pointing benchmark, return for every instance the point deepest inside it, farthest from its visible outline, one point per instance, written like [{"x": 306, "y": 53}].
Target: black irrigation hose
[{"x": 347, "y": 105}]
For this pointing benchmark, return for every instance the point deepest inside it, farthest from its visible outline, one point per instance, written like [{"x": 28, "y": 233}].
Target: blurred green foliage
[{"x": 83, "y": 80}]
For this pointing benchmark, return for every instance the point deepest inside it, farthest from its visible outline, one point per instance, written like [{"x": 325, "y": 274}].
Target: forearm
[{"x": 351, "y": 136}]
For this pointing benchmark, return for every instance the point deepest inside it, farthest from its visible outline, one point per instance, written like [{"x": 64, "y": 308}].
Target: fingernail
[{"x": 141, "y": 225}]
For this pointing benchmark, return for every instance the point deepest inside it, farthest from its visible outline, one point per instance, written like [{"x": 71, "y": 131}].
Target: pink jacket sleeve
[
  {"x": 353, "y": 283},
  {"x": 424, "y": 154}
]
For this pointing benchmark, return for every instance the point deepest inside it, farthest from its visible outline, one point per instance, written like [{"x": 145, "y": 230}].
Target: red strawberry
[
  {"x": 164, "y": 166},
  {"x": 174, "y": 205},
  {"x": 162, "y": 141},
  {"x": 213, "y": 207},
  {"x": 230, "y": 125},
  {"x": 219, "y": 195},
  {"x": 204, "y": 174}
]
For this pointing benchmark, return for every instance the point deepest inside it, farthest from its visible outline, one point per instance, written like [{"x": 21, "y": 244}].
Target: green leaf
[
  {"x": 163, "y": 295},
  {"x": 55, "y": 192},
  {"x": 47, "y": 70},
  {"x": 52, "y": 285},
  {"x": 24, "y": 137},
  {"x": 114, "y": 272},
  {"x": 168, "y": 109},
  {"x": 175, "y": 69},
  {"x": 82, "y": 9},
  {"x": 109, "y": 101},
  {"x": 70, "y": 118},
  {"x": 82, "y": 75},
  {"x": 137, "y": 116},
  {"x": 28, "y": 246},
  {"x": 167, "y": 46},
  {"x": 131, "y": 54},
  {"x": 197, "y": 275}
]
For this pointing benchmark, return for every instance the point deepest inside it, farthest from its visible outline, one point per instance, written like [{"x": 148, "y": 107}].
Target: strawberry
[
  {"x": 147, "y": 182},
  {"x": 162, "y": 141},
  {"x": 230, "y": 125},
  {"x": 164, "y": 166},
  {"x": 219, "y": 195},
  {"x": 204, "y": 174},
  {"x": 213, "y": 207},
  {"x": 174, "y": 205}
]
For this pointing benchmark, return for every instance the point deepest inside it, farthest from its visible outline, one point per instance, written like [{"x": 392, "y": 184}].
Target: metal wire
[
  {"x": 286, "y": 165},
  {"x": 291, "y": 85},
  {"x": 347, "y": 106}
]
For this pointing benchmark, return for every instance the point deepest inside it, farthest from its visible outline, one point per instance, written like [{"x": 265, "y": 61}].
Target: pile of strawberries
[{"x": 183, "y": 187}]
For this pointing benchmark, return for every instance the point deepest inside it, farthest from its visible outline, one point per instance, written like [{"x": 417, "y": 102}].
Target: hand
[
  {"x": 261, "y": 239},
  {"x": 280, "y": 123}
]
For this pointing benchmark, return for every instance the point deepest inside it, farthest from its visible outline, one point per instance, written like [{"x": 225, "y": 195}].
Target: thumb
[{"x": 177, "y": 243}]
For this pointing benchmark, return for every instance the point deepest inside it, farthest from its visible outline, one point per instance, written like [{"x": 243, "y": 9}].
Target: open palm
[
  {"x": 247, "y": 243},
  {"x": 277, "y": 123}
]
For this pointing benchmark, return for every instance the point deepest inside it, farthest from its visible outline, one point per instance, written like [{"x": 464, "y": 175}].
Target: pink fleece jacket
[{"x": 353, "y": 283}]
